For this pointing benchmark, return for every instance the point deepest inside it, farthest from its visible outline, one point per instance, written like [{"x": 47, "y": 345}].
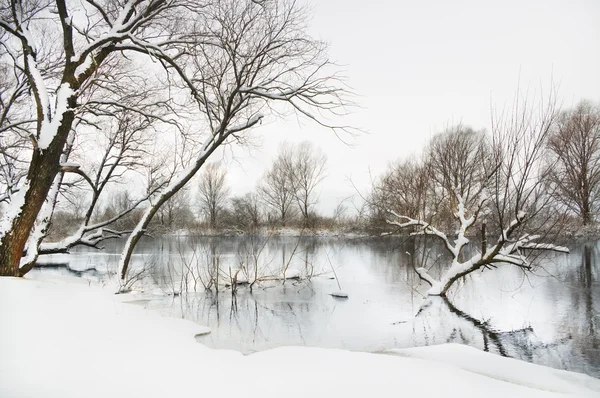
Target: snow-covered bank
[{"x": 61, "y": 339}]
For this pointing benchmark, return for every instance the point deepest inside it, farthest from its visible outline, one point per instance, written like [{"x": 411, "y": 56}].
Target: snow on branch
[
  {"x": 545, "y": 246},
  {"x": 244, "y": 126},
  {"x": 425, "y": 229},
  {"x": 507, "y": 250}
]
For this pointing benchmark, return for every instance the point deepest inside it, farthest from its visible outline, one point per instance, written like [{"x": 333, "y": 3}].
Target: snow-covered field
[{"x": 63, "y": 338}]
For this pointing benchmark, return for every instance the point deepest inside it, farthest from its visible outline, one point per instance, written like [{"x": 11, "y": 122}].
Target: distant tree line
[
  {"x": 566, "y": 171},
  {"x": 285, "y": 196}
]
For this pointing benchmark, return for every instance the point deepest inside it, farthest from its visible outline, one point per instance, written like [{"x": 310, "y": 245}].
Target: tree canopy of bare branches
[
  {"x": 218, "y": 65},
  {"x": 213, "y": 192},
  {"x": 275, "y": 188},
  {"x": 404, "y": 188},
  {"x": 293, "y": 178},
  {"x": 503, "y": 184},
  {"x": 306, "y": 170},
  {"x": 575, "y": 145}
]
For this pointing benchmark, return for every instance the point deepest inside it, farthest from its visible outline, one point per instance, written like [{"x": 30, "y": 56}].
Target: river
[{"x": 550, "y": 316}]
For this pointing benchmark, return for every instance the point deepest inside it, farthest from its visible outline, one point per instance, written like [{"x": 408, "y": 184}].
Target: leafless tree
[
  {"x": 306, "y": 170},
  {"x": 404, "y": 188},
  {"x": 231, "y": 58},
  {"x": 238, "y": 71},
  {"x": 575, "y": 145},
  {"x": 15, "y": 121},
  {"x": 61, "y": 49},
  {"x": 177, "y": 213},
  {"x": 246, "y": 212},
  {"x": 275, "y": 189},
  {"x": 457, "y": 159},
  {"x": 213, "y": 192},
  {"x": 124, "y": 142},
  {"x": 512, "y": 195}
]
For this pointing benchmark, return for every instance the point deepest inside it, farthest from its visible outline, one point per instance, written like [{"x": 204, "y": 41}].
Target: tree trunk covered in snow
[
  {"x": 74, "y": 70},
  {"x": 43, "y": 168},
  {"x": 166, "y": 194},
  {"x": 42, "y": 171}
]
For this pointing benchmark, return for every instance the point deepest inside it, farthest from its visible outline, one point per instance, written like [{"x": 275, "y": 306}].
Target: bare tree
[
  {"x": 575, "y": 145},
  {"x": 512, "y": 194},
  {"x": 213, "y": 192},
  {"x": 246, "y": 211},
  {"x": 404, "y": 188},
  {"x": 237, "y": 71},
  {"x": 62, "y": 63},
  {"x": 124, "y": 142},
  {"x": 177, "y": 213},
  {"x": 458, "y": 159},
  {"x": 231, "y": 58},
  {"x": 306, "y": 170},
  {"x": 275, "y": 189}
]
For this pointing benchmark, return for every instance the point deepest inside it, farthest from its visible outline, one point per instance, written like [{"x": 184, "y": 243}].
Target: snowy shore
[{"x": 63, "y": 338}]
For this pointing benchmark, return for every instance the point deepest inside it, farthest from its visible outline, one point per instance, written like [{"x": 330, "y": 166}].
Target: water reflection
[{"x": 284, "y": 285}]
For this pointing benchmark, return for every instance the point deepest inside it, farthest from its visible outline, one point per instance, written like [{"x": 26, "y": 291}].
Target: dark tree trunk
[{"x": 42, "y": 171}]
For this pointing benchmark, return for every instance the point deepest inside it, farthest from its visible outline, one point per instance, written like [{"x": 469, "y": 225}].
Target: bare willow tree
[
  {"x": 424, "y": 188},
  {"x": 213, "y": 192},
  {"x": 177, "y": 212},
  {"x": 231, "y": 57},
  {"x": 293, "y": 178},
  {"x": 511, "y": 195},
  {"x": 459, "y": 159},
  {"x": 575, "y": 145}
]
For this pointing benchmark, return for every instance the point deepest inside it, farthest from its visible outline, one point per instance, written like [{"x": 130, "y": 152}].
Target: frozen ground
[{"x": 63, "y": 338}]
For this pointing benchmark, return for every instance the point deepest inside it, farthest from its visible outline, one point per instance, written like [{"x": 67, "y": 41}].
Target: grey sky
[{"x": 421, "y": 65}]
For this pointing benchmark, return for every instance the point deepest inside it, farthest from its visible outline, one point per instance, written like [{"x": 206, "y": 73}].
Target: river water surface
[{"x": 549, "y": 317}]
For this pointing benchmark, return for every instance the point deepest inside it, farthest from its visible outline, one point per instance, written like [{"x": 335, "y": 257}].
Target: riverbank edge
[{"x": 63, "y": 337}]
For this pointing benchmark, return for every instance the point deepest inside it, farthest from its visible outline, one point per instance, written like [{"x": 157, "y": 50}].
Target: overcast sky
[{"x": 419, "y": 66}]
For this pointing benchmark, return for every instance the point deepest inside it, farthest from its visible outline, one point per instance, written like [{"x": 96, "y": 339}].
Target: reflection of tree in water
[
  {"x": 380, "y": 273},
  {"x": 581, "y": 321},
  {"x": 439, "y": 321},
  {"x": 254, "y": 320}
]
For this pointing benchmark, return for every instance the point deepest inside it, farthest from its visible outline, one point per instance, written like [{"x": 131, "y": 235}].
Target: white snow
[
  {"x": 50, "y": 127},
  {"x": 506, "y": 369},
  {"x": 508, "y": 253},
  {"x": 17, "y": 200},
  {"x": 40, "y": 85},
  {"x": 69, "y": 164},
  {"x": 67, "y": 339},
  {"x": 340, "y": 294},
  {"x": 87, "y": 62}
]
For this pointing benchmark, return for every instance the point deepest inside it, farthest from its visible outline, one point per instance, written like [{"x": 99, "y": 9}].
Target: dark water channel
[{"x": 550, "y": 317}]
